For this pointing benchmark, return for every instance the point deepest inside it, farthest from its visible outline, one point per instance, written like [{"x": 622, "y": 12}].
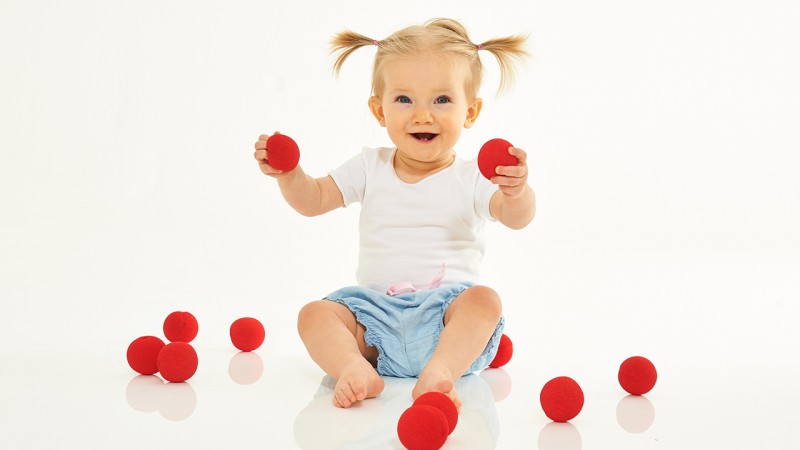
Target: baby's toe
[
  {"x": 360, "y": 393},
  {"x": 343, "y": 399}
]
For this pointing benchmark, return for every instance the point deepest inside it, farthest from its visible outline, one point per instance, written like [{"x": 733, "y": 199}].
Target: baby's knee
[
  {"x": 309, "y": 313},
  {"x": 486, "y": 299},
  {"x": 320, "y": 312}
]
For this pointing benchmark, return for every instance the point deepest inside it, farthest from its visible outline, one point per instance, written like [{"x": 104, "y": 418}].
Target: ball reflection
[
  {"x": 635, "y": 413},
  {"x": 142, "y": 393},
  {"x": 560, "y": 436},
  {"x": 245, "y": 368}
]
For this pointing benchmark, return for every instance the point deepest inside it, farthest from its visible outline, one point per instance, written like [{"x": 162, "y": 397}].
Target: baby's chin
[{"x": 424, "y": 157}]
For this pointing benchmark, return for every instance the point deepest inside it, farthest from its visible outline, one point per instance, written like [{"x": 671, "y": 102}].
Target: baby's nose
[{"x": 422, "y": 115}]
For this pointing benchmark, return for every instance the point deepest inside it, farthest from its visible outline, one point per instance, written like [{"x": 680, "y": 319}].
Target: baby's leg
[
  {"x": 469, "y": 323},
  {"x": 336, "y": 343}
]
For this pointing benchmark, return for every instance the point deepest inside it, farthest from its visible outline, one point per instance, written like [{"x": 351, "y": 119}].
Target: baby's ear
[
  {"x": 377, "y": 109},
  {"x": 473, "y": 111}
]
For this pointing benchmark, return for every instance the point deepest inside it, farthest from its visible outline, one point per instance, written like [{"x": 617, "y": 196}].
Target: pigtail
[
  {"x": 508, "y": 51},
  {"x": 346, "y": 42},
  {"x": 445, "y": 35}
]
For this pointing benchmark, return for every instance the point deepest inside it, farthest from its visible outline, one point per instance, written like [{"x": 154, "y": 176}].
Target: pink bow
[{"x": 404, "y": 286}]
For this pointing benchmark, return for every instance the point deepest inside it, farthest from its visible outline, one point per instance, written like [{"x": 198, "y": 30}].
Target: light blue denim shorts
[{"x": 405, "y": 328}]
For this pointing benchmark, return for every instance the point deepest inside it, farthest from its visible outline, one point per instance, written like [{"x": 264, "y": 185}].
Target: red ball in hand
[
  {"x": 143, "y": 354},
  {"x": 422, "y": 427},
  {"x": 247, "y": 334},
  {"x": 495, "y": 153},
  {"x": 180, "y": 326},
  {"x": 561, "y": 399},
  {"x": 504, "y": 352},
  {"x": 177, "y": 362},
  {"x": 443, "y": 404},
  {"x": 637, "y": 375},
  {"x": 282, "y": 152}
]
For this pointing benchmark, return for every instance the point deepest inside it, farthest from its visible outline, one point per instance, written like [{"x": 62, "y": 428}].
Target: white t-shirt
[{"x": 407, "y": 231}]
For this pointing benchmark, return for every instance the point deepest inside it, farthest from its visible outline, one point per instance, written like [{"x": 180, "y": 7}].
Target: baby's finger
[
  {"x": 507, "y": 181},
  {"x": 512, "y": 171},
  {"x": 511, "y": 191},
  {"x": 520, "y": 154},
  {"x": 266, "y": 169},
  {"x": 262, "y": 140}
]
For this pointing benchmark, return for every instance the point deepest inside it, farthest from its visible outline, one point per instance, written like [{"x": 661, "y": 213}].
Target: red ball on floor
[
  {"x": 177, "y": 362},
  {"x": 443, "y": 404},
  {"x": 495, "y": 153},
  {"x": 637, "y": 375},
  {"x": 561, "y": 399},
  {"x": 247, "y": 334},
  {"x": 422, "y": 427},
  {"x": 282, "y": 152},
  {"x": 504, "y": 352},
  {"x": 180, "y": 326},
  {"x": 143, "y": 354}
]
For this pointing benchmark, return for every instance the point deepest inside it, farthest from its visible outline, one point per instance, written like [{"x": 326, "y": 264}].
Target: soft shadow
[
  {"x": 635, "y": 413},
  {"x": 373, "y": 423},
  {"x": 499, "y": 381},
  {"x": 320, "y": 425},
  {"x": 560, "y": 436},
  {"x": 478, "y": 424},
  {"x": 149, "y": 393},
  {"x": 245, "y": 368}
]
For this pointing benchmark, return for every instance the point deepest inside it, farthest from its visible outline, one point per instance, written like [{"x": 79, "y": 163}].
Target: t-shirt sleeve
[
  {"x": 484, "y": 189},
  {"x": 351, "y": 179}
]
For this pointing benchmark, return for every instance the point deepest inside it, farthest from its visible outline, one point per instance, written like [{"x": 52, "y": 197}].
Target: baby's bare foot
[
  {"x": 436, "y": 378},
  {"x": 358, "y": 381}
]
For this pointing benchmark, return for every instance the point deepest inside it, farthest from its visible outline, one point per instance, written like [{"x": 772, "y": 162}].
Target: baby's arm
[
  {"x": 514, "y": 203},
  {"x": 307, "y": 195}
]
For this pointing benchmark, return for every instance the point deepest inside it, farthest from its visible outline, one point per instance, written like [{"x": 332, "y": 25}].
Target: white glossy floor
[{"x": 727, "y": 377}]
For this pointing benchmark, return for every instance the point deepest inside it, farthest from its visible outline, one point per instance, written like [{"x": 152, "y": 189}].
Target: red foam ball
[
  {"x": 504, "y": 352},
  {"x": 177, "y": 362},
  {"x": 282, "y": 152},
  {"x": 180, "y": 326},
  {"x": 561, "y": 399},
  {"x": 422, "y": 427},
  {"x": 143, "y": 354},
  {"x": 443, "y": 404},
  {"x": 637, "y": 375},
  {"x": 495, "y": 153},
  {"x": 247, "y": 334}
]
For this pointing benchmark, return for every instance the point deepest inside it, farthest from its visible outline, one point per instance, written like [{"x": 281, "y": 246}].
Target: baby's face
[{"x": 424, "y": 106}]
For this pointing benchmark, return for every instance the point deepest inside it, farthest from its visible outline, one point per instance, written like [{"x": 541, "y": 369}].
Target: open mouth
[{"x": 424, "y": 137}]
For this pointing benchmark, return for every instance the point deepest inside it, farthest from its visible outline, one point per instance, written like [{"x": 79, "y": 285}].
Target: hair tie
[
  {"x": 479, "y": 46},
  {"x": 375, "y": 42}
]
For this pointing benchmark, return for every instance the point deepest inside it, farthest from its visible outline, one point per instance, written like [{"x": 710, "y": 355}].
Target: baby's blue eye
[
  {"x": 443, "y": 99},
  {"x": 403, "y": 99}
]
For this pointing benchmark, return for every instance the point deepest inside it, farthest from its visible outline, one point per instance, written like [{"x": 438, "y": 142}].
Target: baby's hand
[
  {"x": 261, "y": 156},
  {"x": 512, "y": 180}
]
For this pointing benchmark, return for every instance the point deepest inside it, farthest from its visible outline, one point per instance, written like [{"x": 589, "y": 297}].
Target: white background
[{"x": 662, "y": 141}]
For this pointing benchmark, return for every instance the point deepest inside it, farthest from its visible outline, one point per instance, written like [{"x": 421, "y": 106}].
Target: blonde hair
[{"x": 446, "y": 36}]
